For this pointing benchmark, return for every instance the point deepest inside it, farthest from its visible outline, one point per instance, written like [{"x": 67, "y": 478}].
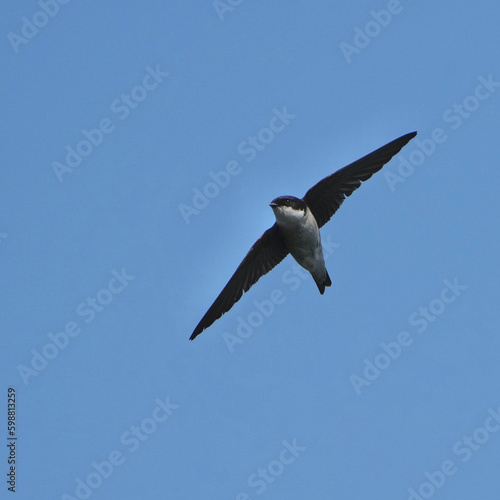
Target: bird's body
[
  {"x": 296, "y": 230},
  {"x": 302, "y": 238}
]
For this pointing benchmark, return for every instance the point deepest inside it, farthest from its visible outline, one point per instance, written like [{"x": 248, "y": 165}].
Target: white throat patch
[{"x": 287, "y": 216}]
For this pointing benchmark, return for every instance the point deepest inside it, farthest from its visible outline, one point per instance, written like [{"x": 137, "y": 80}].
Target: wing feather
[
  {"x": 267, "y": 252},
  {"x": 325, "y": 198}
]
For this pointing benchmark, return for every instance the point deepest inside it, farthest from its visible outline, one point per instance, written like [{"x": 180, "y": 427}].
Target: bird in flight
[{"x": 296, "y": 230}]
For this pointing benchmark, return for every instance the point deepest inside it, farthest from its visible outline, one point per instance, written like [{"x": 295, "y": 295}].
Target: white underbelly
[
  {"x": 305, "y": 247},
  {"x": 303, "y": 240}
]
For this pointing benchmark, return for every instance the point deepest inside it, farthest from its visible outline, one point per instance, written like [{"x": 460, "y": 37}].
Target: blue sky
[{"x": 138, "y": 165}]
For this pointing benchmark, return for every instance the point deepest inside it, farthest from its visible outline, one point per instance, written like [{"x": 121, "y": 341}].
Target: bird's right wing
[
  {"x": 267, "y": 252},
  {"x": 327, "y": 195}
]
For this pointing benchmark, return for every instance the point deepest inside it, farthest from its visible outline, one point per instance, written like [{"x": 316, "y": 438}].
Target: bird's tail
[{"x": 323, "y": 283}]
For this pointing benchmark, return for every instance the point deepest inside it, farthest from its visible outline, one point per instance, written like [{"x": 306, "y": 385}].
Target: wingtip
[
  {"x": 405, "y": 139},
  {"x": 199, "y": 328}
]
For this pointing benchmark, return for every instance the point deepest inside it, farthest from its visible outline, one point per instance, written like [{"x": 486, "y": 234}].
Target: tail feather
[{"x": 324, "y": 283}]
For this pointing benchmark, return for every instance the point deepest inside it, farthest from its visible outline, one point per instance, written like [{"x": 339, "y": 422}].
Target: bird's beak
[{"x": 273, "y": 204}]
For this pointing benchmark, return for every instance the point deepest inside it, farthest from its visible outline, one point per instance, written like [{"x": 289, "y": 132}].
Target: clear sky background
[{"x": 115, "y": 238}]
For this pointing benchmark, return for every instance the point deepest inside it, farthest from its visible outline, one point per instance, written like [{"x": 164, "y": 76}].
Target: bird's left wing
[
  {"x": 267, "y": 252},
  {"x": 327, "y": 195}
]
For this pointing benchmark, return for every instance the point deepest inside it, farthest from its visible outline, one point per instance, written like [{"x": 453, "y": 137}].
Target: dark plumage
[{"x": 322, "y": 201}]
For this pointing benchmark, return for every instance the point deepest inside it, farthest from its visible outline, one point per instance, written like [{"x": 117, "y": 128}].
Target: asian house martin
[{"x": 296, "y": 230}]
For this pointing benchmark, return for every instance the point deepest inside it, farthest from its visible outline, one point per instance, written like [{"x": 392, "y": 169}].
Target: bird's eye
[{"x": 287, "y": 201}]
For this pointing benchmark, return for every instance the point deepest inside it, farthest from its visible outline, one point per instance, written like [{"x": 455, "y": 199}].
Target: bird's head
[{"x": 288, "y": 208}]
